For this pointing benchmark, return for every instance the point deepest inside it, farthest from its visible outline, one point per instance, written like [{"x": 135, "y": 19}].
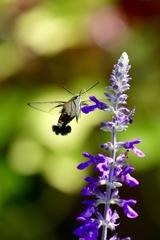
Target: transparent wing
[
  {"x": 46, "y": 106},
  {"x": 86, "y": 102}
]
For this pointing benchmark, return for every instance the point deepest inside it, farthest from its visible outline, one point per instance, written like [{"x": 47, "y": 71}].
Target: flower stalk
[{"x": 113, "y": 170}]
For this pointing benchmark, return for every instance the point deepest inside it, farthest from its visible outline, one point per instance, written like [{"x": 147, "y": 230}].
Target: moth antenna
[
  {"x": 85, "y": 91},
  {"x": 68, "y": 90}
]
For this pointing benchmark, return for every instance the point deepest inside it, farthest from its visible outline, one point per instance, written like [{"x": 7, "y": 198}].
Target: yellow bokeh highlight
[
  {"x": 45, "y": 33},
  {"x": 25, "y": 156},
  {"x": 61, "y": 172}
]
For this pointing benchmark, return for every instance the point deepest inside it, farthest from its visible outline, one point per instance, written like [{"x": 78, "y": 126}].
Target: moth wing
[
  {"x": 73, "y": 107},
  {"x": 77, "y": 107},
  {"x": 86, "y": 102},
  {"x": 46, "y": 106}
]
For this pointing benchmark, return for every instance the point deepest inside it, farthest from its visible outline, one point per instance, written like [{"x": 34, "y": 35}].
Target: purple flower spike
[{"x": 111, "y": 170}]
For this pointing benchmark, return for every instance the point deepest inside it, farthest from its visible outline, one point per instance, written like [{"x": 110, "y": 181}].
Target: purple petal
[
  {"x": 130, "y": 213},
  {"x": 88, "y": 231},
  {"x": 99, "y": 104},
  {"x": 84, "y": 165},
  {"x": 115, "y": 237},
  {"x": 130, "y": 145},
  {"x": 131, "y": 181},
  {"x": 88, "y": 109},
  {"x": 88, "y": 212},
  {"x": 138, "y": 152}
]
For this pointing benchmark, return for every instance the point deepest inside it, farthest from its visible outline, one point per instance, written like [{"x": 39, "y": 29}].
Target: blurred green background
[{"x": 45, "y": 44}]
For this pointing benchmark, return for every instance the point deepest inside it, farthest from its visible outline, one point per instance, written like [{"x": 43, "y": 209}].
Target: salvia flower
[{"x": 111, "y": 169}]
